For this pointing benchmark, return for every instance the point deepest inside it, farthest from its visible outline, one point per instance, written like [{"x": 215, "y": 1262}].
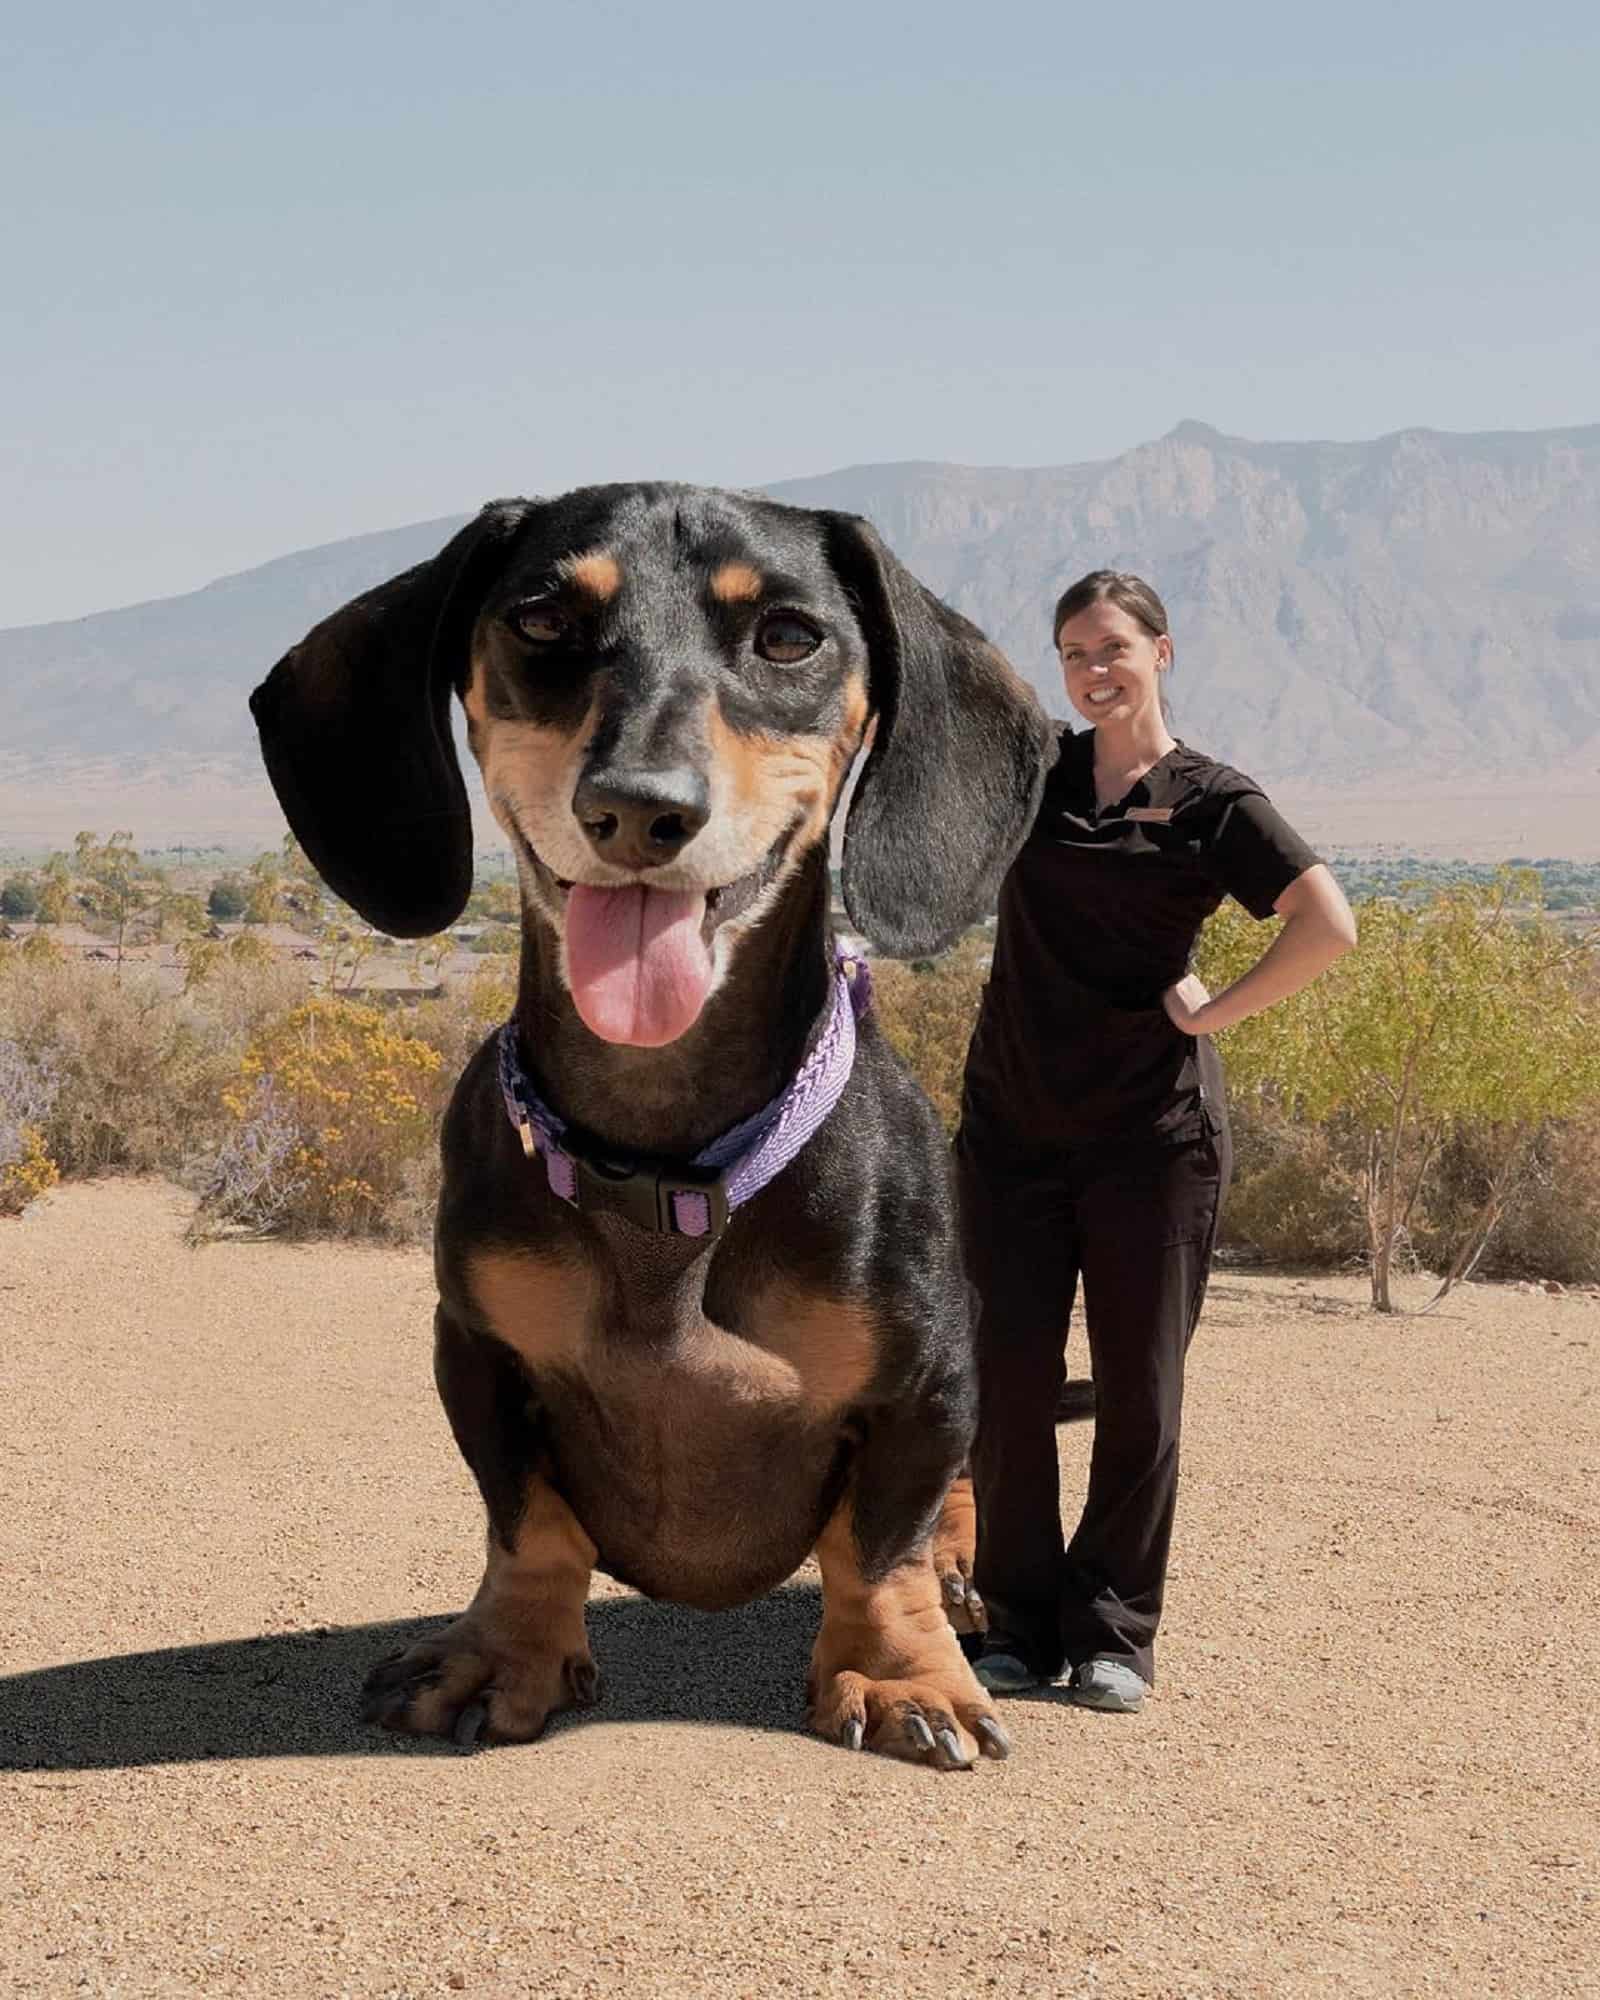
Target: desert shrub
[
  {"x": 252, "y": 1180},
  {"x": 459, "y": 1019},
  {"x": 145, "y": 1080},
  {"x": 30, "y": 1174},
  {"x": 136, "y": 1077},
  {"x": 1296, "y": 1191},
  {"x": 28, "y": 1087},
  {"x": 497, "y": 940},
  {"x": 140, "y": 1072},
  {"x": 37, "y": 948},
  {"x": 1551, "y": 1224},
  {"x": 928, "y": 1010},
  {"x": 359, "y": 1098},
  {"x": 1469, "y": 1011},
  {"x": 204, "y": 958}
]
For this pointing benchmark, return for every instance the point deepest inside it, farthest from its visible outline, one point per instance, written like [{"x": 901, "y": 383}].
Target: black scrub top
[{"x": 1098, "y": 917}]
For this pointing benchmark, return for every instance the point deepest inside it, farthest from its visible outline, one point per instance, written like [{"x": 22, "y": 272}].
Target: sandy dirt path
[{"x": 1373, "y": 1766}]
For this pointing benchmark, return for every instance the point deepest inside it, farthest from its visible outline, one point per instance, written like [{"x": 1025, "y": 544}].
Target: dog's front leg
[
  {"x": 520, "y": 1651},
  {"x": 887, "y": 1671}
]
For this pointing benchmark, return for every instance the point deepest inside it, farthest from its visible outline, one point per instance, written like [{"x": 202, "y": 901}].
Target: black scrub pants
[{"x": 1134, "y": 1219}]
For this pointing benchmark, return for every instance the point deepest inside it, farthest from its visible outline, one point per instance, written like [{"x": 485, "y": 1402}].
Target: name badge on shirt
[{"x": 1156, "y": 815}]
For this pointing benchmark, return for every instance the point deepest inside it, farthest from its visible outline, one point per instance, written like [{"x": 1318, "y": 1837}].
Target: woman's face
[{"x": 1112, "y": 664}]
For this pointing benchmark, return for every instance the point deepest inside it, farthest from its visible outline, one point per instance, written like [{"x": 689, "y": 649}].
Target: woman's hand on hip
[
  {"x": 1184, "y": 1003},
  {"x": 1317, "y": 928}
]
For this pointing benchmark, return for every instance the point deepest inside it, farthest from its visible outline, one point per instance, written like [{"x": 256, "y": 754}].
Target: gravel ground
[{"x": 225, "y": 1487}]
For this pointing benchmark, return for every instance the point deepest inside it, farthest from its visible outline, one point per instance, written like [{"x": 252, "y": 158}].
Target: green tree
[
  {"x": 55, "y": 890},
  {"x": 303, "y": 897},
  {"x": 264, "y": 889},
  {"x": 1471, "y": 1009},
  {"x": 19, "y": 896},
  {"x": 114, "y": 883},
  {"x": 345, "y": 950},
  {"x": 427, "y": 960},
  {"x": 179, "y": 908},
  {"x": 227, "y": 899}
]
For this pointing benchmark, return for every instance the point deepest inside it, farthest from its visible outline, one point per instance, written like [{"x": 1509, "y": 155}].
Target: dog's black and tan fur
[{"x": 667, "y": 684}]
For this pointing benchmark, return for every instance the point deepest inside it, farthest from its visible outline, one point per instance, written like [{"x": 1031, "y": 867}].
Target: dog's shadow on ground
[{"x": 297, "y": 1694}]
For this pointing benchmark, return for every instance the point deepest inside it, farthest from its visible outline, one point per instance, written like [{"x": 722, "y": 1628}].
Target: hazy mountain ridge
[
  {"x": 1426, "y": 603},
  {"x": 171, "y": 675}
]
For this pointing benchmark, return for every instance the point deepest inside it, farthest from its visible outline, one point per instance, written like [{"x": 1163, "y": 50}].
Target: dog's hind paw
[
  {"x": 954, "y": 1537},
  {"x": 942, "y": 1723},
  {"x": 463, "y": 1685},
  {"x": 962, "y": 1604}
]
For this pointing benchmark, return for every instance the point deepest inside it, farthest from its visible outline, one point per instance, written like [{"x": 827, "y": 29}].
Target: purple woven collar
[{"x": 695, "y": 1198}]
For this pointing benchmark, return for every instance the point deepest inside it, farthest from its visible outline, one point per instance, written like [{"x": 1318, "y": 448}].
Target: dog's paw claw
[
  {"x": 950, "y": 1744},
  {"x": 919, "y": 1732},
  {"x": 470, "y": 1725},
  {"x": 991, "y": 1737},
  {"x": 855, "y": 1731},
  {"x": 395, "y": 1677}
]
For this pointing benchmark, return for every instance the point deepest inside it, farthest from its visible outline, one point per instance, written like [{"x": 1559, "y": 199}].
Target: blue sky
[{"x": 272, "y": 282}]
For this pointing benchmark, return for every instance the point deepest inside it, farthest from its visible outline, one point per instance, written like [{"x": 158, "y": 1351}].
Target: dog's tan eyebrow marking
[
  {"x": 736, "y": 583},
  {"x": 598, "y": 574}
]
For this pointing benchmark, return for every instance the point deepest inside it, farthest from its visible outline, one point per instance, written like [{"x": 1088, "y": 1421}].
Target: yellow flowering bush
[
  {"x": 358, "y": 1099},
  {"x": 28, "y": 1176},
  {"x": 28, "y": 1088}
]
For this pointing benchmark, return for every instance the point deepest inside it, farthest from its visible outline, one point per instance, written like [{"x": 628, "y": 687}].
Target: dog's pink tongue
[{"x": 639, "y": 967}]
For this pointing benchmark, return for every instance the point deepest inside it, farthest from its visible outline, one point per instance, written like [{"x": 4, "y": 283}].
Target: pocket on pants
[{"x": 1193, "y": 1193}]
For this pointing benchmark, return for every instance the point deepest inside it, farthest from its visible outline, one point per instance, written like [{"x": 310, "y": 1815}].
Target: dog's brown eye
[
  {"x": 784, "y": 638},
  {"x": 542, "y": 623}
]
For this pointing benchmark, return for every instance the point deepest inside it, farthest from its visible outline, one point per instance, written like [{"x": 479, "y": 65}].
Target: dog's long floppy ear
[
  {"x": 355, "y": 732},
  {"x": 952, "y": 781}
]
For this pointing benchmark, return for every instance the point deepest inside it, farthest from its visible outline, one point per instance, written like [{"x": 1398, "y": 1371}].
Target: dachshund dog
[{"x": 701, "y": 1309}]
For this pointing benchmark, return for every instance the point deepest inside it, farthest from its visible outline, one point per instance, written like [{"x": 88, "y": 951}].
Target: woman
[{"x": 1094, "y": 1140}]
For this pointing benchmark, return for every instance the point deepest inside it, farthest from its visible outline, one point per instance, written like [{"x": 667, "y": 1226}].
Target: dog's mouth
[{"x": 639, "y": 958}]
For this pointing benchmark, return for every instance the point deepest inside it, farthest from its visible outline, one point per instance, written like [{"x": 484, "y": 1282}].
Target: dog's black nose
[{"x": 640, "y": 819}]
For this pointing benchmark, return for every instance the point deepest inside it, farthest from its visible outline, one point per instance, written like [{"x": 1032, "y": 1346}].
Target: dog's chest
[
  {"x": 693, "y": 1452},
  {"x": 784, "y": 1347}
]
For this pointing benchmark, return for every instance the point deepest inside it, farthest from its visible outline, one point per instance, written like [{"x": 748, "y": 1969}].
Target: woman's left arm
[{"x": 1318, "y": 927}]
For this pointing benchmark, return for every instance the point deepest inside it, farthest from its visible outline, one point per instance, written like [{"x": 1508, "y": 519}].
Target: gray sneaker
[
  {"x": 1004, "y": 1673},
  {"x": 1111, "y": 1685}
]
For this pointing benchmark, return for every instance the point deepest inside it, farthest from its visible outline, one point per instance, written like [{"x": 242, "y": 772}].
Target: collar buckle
[{"x": 660, "y": 1199}]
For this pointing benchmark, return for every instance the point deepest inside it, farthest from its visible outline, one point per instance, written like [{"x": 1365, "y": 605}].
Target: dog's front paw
[
  {"x": 467, "y": 1684},
  {"x": 941, "y": 1718}
]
